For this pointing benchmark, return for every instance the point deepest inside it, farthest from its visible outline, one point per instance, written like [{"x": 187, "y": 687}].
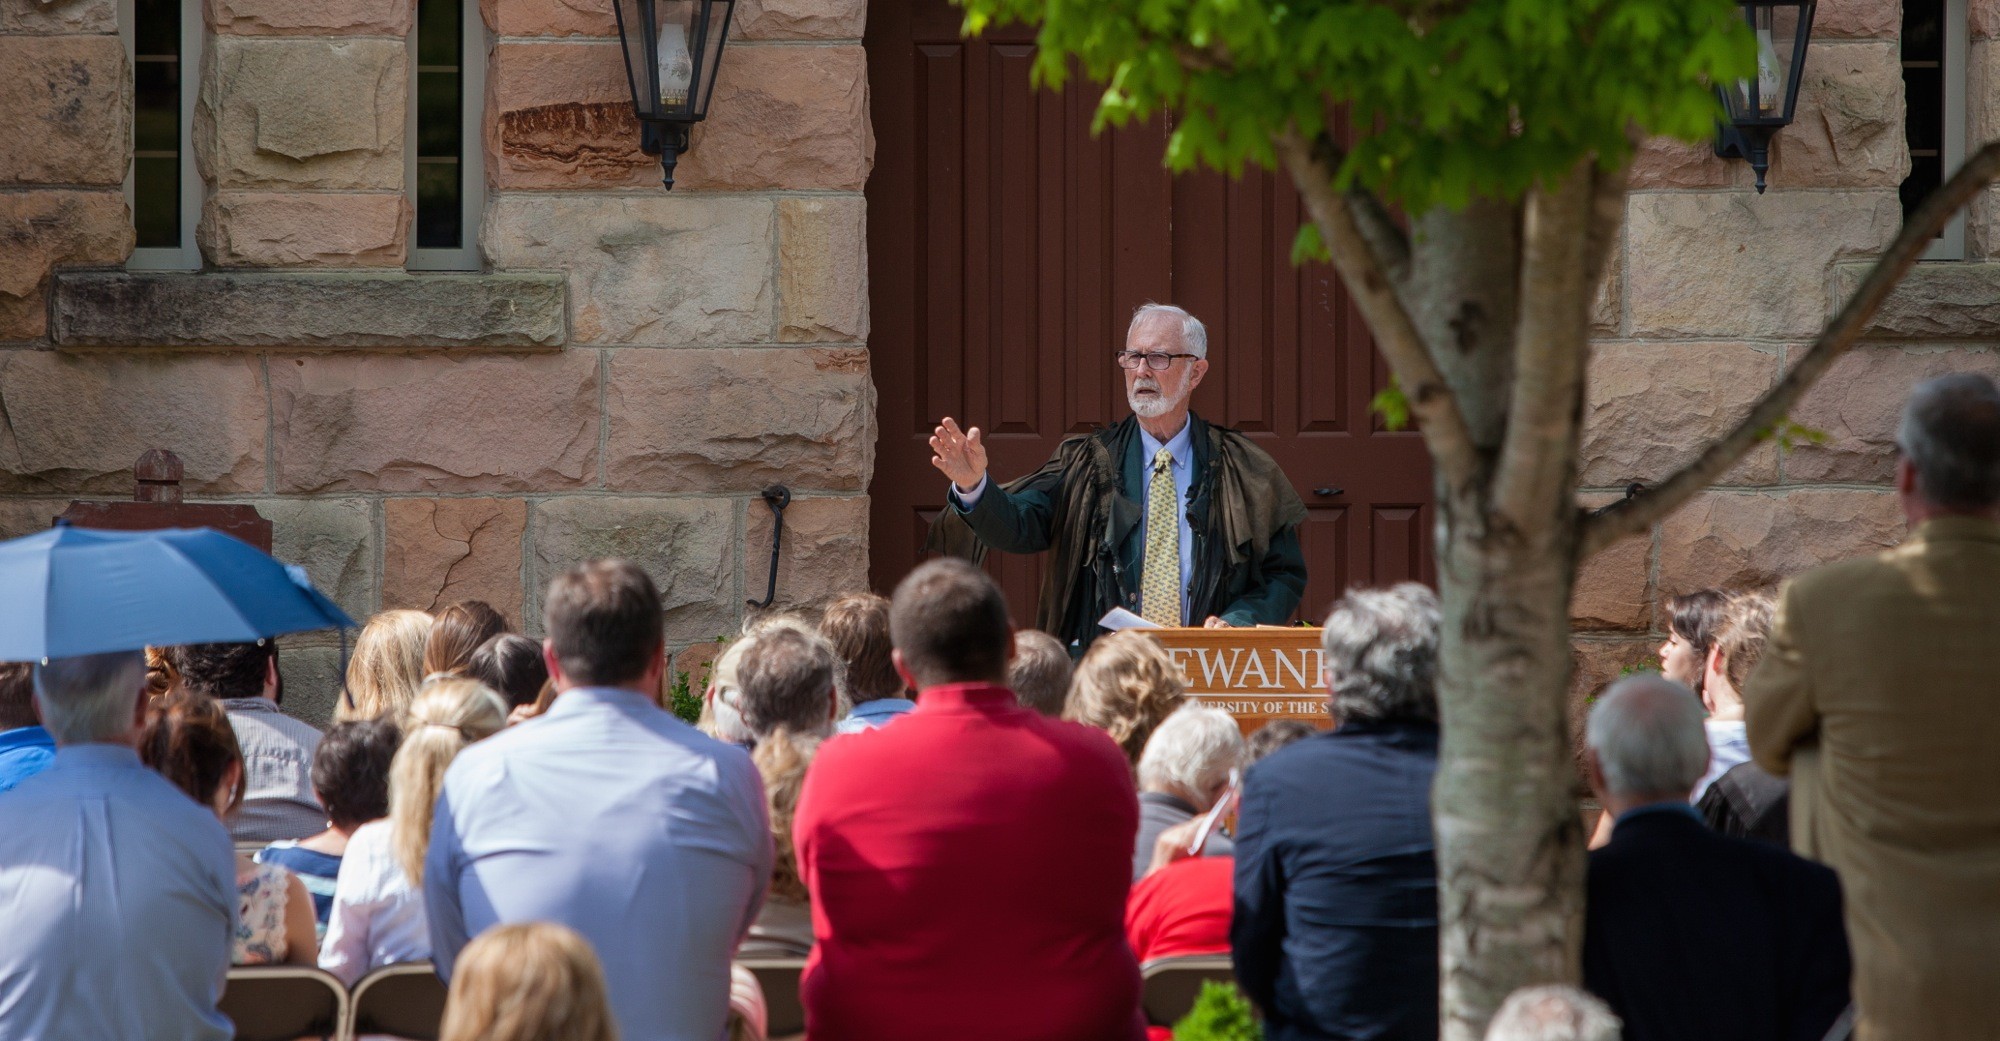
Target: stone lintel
[
  {"x": 308, "y": 310},
  {"x": 1942, "y": 301}
]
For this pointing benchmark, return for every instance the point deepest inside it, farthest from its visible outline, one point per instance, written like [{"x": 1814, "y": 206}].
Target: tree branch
[
  {"x": 1361, "y": 270},
  {"x": 1389, "y": 241},
  {"x": 1637, "y": 513},
  {"x": 1607, "y": 215}
]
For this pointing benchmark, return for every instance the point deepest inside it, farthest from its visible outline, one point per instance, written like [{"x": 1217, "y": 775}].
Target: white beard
[{"x": 1147, "y": 408}]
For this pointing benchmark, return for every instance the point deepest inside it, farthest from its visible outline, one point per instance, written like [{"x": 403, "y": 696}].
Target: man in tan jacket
[{"x": 1878, "y": 693}]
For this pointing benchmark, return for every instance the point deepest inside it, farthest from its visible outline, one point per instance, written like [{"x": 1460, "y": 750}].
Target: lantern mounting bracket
[
  {"x": 668, "y": 141},
  {"x": 1752, "y": 143}
]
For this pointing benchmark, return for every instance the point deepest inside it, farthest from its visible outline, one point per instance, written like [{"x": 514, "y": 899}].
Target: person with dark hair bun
[
  {"x": 1692, "y": 622},
  {"x": 350, "y": 775},
  {"x": 458, "y": 632},
  {"x": 512, "y": 666},
  {"x": 188, "y": 739}
]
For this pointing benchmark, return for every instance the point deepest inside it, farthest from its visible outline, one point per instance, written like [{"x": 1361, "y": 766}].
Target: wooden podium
[{"x": 1256, "y": 675}]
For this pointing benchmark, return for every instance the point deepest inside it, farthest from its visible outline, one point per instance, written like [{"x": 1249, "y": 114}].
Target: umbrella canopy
[{"x": 70, "y": 591}]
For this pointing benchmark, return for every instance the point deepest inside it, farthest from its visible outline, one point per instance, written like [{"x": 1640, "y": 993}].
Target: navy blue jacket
[
  {"x": 1336, "y": 922},
  {"x": 1694, "y": 936}
]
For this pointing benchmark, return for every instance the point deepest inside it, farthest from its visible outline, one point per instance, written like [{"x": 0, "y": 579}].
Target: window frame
[
  {"x": 1951, "y": 242},
  {"x": 471, "y": 161},
  {"x": 187, "y": 255}
]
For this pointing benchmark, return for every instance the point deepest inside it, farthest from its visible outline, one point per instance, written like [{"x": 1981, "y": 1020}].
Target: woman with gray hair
[{"x": 1188, "y": 764}]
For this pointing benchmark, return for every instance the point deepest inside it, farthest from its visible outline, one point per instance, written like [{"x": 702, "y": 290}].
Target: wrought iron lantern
[
  {"x": 672, "y": 49},
  {"x": 1758, "y": 106}
]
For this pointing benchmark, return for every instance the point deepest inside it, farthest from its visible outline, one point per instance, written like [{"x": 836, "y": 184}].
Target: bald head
[{"x": 1646, "y": 736}]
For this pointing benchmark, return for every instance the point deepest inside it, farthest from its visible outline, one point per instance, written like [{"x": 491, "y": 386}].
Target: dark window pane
[
  {"x": 1926, "y": 173},
  {"x": 1923, "y": 91},
  {"x": 156, "y": 27},
  {"x": 156, "y": 117},
  {"x": 438, "y": 114},
  {"x": 438, "y": 29},
  {"x": 438, "y": 216},
  {"x": 1923, "y": 30},
  {"x": 156, "y": 201}
]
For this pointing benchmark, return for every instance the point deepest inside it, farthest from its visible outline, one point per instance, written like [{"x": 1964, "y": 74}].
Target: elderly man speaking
[{"x": 1177, "y": 519}]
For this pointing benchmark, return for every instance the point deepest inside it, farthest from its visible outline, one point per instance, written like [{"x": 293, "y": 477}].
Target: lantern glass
[
  {"x": 672, "y": 51},
  {"x": 1781, "y": 31}
]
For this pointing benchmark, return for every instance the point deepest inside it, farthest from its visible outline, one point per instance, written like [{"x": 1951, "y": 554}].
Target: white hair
[
  {"x": 1950, "y": 432},
  {"x": 1191, "y": 753},
  {"x": 1553, "y": 1013},
  {"x": 1646, "y": 731},
  {"x": 1381, "y": 651},
  {"x": 1194, "y": 335},
  {"x": 90, "y": 698}
]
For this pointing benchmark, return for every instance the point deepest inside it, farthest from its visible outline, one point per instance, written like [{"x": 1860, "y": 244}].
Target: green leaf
[{"x": 1392, "y": 405}]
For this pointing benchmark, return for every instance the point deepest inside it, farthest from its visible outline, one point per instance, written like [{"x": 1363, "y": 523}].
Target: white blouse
[{"x": 377, "y": 918}]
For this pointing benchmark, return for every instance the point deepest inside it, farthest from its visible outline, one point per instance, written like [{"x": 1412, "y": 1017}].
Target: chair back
[
  {"x": 283, "y": 1003},
  {"x": 785, "y": 1013},
  {"x": 405, "y": 1001},
  {"x": 1172, "y": 984}
]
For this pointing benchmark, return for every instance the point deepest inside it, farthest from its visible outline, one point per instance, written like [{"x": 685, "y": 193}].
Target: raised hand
[{"x": 959, "y": 453}]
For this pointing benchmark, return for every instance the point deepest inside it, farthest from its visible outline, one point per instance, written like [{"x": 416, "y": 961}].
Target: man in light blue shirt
[
  {"x": 25, "y": 748},
  {"x": 610, "y": 816},
  {"x": 117, "y": 891}
]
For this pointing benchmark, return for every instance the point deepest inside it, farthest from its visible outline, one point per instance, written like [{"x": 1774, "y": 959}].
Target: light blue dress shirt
[
  {"x": 871, "y": 714},
  {"x": 117, "y": 903},
  {"x": 612, "y": 817}
]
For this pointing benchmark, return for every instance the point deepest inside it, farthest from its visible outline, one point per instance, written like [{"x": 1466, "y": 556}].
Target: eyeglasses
[{"x": 1155, "y": 360}]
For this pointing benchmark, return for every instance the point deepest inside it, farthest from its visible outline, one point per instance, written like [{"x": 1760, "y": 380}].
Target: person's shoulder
[{"x": 1839, "y": 580}]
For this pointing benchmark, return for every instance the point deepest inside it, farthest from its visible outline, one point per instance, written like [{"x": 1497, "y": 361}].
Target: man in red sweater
[{"x": 968, "y": 864}]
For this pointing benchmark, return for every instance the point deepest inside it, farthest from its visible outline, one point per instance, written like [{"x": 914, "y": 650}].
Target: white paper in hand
[{"x": 1118, "y": 618}]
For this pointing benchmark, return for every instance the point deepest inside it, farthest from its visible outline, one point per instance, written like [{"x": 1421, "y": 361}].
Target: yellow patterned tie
[{"x": 1160, "y": 581}]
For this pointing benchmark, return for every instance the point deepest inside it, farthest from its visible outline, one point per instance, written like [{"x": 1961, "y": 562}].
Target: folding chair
[
  {"x": 284, "y": 1003},
  {"x": 780, "y": 979},
  {"x": 404, "y": 1001},
  {"x": 1172, "y": 984}
]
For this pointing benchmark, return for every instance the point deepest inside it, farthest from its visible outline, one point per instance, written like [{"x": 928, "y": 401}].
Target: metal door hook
[{"x": 777, "y": 497}]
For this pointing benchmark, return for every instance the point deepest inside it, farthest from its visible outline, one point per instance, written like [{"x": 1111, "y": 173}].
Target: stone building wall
[{"x": 631, "y": 370}]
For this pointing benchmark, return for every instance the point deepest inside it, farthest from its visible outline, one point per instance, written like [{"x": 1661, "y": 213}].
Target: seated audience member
[
  {"x": 1188, "y": 764},
  {"x": 161, "y": 679},
  {"x": 511, "y": 666},
  {"x": 536, "y": 981},
  {"x": 1692, "y": 621},
  {"x": 350, "y": 776},
  {"x": 1552, "y": 1013},
  {"x": 927, "y": 848},
  {"x": 721, "y": 718},
  {"x": 1040, "y": 672},
  {"x": 456, "y": 632},
  {"x": 857, "y": 625},
  {"x": 188, "y": 739},
  {"x": 377, "y": 916},
  {"x": 387, "y": 666},
  {"x": 610, "y": 816},
  {"x": 26, "y": 749},
  {"x": 1739, "y": 643},
  {"x": 788, "y": 699},
  {"x": 278, "y": 800},
  {"x": 1689, "y": 934},
  {"x": 116, "y": 891},
  {"x": 1277, "y": 734},
  {"x": 1125, "y": 685},
  {"x": 1336, "y": 926}
]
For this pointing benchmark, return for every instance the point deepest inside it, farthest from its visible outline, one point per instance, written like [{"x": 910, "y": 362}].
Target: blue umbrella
[{"x": 70, "y": 591}]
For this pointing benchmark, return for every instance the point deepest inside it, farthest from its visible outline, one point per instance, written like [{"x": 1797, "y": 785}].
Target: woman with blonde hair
[
  {"x": 378, "y": 907},
  {"x": 1125, "y": 685},
  {"x": 387, "y": 667},
  {"x": 528, "y": 981}
]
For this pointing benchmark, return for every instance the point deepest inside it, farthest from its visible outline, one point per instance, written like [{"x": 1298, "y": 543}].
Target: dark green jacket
[{"x": 1083, "y": 506}]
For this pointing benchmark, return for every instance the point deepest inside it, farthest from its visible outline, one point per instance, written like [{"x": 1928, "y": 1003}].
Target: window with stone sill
[
  {"x": 1934, "y": 75},
  {"x": 163, "y": 42},
  {"x": 445, "y": 179}
]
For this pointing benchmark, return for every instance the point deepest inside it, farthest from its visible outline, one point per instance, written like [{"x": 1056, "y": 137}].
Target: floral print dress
[{"x": 261, "y": 891}]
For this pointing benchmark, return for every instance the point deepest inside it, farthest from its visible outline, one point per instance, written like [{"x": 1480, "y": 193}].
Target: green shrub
[
  {"x": 1221, "y": 1013},
  {"x": 684, "y": 694}
]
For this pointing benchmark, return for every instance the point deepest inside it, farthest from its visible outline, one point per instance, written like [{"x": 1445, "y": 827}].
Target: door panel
[{"x": 1007, "y": 249}]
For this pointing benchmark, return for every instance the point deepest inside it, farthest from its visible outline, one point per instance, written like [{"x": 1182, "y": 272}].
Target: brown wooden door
[{"x": 1007, "y": 248}]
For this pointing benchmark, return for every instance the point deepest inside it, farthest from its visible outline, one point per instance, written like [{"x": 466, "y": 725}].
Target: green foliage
[
  {"x": 1788, "y": 434},
  {"x": 684, "y": 694},
  {"x": 1448, "y": 101},
  {"x": 1220, "y": 1014},
  {"x": 1391, "y": 404}
]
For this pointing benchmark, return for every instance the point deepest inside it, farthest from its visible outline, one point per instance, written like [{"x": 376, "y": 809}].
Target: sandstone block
[
  {"x": 302, "y": 112},
  {"x": 59, "y": 16},
  {"x": 39, "y": 230},
  {"x": 825, "y": 553},
  {"x": 1864, "y": 18},
  {"x": 334, "y": 540},
  {"x": 559, "y": 115},
  {"x": 1736, "y": 540},
  {"x": 1596, "y": 662},
  {"x": 688, "y": 546},
  {"x": 1858, "y": 403},
  {"x": 698, "y": 661},
  {"x": 1739, "y": 264},
  {"x": 1982, "y": 92},
  {"x": 822, "y": 269},
  {"x": 1985, "y": 18},
  {"x": 416, "y": 423},
  {"x": 552, "y": 17},
  {"x": 737, "y": 420},
  {"x": 1982, "y": 225},
  {"x": 311, "y": 670},
  {"x": 656, "y": 269},
  {"x": 321, "y": 230},
  {"x": 20, "y": 517},
  {"x": 1612, "y": 588},
  {"x": 1650, "y": 407},
  {"x": 800, "y": 19},
  {"x": 319, "y": 18},
  {"x": 1932, "y": 302},
  {"x": 1662, "y": 162},
  {"x": 65, "y": 103},
  {"x": 1607, "y": 308},
  {"x": 785, "y": 117},
  {"x": 75, "y": 423},
  {"x": 1848, "y": 132},
  {"x": 437, "y": 551}
]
